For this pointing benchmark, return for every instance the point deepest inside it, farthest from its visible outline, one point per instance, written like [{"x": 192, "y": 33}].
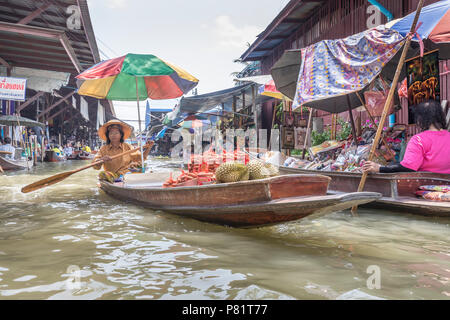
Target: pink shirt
[{"x": 428, "y": 151}]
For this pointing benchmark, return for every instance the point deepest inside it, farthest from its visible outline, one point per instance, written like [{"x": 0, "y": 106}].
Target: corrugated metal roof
[{"x": 283, "y": 26}]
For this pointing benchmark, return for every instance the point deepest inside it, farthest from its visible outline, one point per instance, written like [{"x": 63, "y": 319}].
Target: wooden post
[
  {"x": 333, "y": 126},
  {"x": 35, "y": 150},
  {"x": 308, "y": 129},
  {"x": 390, "y": 97},
  {"x": 255, "y": 113}
]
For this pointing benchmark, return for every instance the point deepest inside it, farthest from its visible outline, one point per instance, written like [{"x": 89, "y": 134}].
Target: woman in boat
[
  {"x": 426, "y": 151},
  {"x": 8, "y": 148},
  {"x": 115, "y": 132}
]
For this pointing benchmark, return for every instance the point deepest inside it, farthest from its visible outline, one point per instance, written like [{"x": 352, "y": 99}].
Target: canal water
[{"x": 72, "y": 241}]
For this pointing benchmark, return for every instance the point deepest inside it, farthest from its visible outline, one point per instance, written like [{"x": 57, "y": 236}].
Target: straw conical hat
[{"x": 125, "y": 128}]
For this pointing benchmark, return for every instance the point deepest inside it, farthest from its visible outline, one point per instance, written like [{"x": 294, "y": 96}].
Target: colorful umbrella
[
  {"x": 194, "y": 123},
  {"x": 114, "y": 79},
  {"x": 267, "y": 85},
  {"x": 269, "y": 89},
  {"x": 433, "y": 25},
  {"x": 135, "y": 77}
]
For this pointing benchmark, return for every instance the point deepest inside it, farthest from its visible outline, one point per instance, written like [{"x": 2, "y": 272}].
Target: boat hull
[
  {"x": 10, "y": 165},
  {"x": 397, "y": 189},
  {"x": 51, "y": 156},
  {"x": 243, "y": 204}
]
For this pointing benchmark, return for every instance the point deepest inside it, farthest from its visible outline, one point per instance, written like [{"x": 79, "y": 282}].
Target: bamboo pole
[
  {"x": 308, "y": 129},
  {"x": 390, "y": 97}
]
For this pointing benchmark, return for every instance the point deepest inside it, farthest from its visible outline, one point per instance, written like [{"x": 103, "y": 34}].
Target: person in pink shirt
[{"x": 426, "y": 151}]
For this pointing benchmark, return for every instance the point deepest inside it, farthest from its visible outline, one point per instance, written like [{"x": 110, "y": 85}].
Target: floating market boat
[
  {"x": 397, "y": 189},
  {"x": 10, "y": 164},
  {"x": 74, "y": 156},
  {"x": 52, "y": 156},
  {"x": 82, "y": 156},
  {"x": 247, "y": 204}
]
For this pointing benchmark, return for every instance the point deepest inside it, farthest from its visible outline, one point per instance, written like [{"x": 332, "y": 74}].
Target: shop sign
[{"x": 12, "y": 88}]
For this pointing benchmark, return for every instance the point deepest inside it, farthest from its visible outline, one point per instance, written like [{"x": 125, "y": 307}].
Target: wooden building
[
  {"x": 49, "y": 42},
  {"x": 304, "y": 22}
]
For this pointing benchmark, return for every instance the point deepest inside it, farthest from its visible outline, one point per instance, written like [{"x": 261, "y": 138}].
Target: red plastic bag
[{"x": 376, "y": 99}]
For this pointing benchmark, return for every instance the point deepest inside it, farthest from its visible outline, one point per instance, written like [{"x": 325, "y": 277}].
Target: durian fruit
[
  {"x": 257, "y": 170},
  {"x": 232, "y": 172},
  {"x": 273, "y": 171}
]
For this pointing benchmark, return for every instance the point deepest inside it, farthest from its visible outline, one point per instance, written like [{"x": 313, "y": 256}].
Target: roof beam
[
  {"x": 65, "y": 99},
  {"x": 292, "y": 20},
  {"x": 37, "y": 65},
  {"x": 34, "y": 14},
  {"x": 288, "y": 9},
  {"x": 6, "y": 64},
  {"x": 57, "y": 113},
  {"x": 36, "y": 54},
  {"x": 46, "y": 33},
  {"x": 57, "y": 103},
  {"x": 47, "y": 63},
  {"x": 30, "y": 101},
  {"x": 30, "y": 47},
  {"x": 89, "y": 32},
  {"x": 44, "y": 43},
  {"x": 279, "y": 37}
]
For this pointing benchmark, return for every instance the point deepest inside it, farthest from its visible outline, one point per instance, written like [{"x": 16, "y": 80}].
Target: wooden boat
[
  {"x": 397, "y": 189},
  {"x": 10, "y": 164},
  {"x": 78, "y": 155},
  {"x": 74, "y": 156},
  {"x": 51, "y": 156},
  {"x": 83, "y": 156},
  {"x": 242, "y": 204}
]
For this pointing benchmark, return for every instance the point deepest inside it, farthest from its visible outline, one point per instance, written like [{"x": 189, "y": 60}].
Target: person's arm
[
  {"x": 395, "y": 168},
  {"x": 136, "y": 156},
  {"x": 98, "y": 157},
  {"x": 374, "y": 167}
]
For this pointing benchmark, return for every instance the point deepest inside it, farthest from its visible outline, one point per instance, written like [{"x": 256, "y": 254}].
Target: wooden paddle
[
  {"x": 5, "y": 152},
  {"x": 61, "y": 176}
]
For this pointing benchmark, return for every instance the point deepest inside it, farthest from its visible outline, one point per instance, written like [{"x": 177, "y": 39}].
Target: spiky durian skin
[{"x": 232, "y": 172}]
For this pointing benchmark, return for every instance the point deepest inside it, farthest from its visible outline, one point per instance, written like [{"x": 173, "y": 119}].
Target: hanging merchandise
[
  {"x": 422, "y": 74},
  {"x": 376, "y": 98},
  {"x": 333, "y": 69},
  {"x": 287, "y": 138}
]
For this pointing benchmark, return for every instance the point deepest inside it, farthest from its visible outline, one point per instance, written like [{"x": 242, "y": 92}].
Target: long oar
[{"x": 61, "y": 176}]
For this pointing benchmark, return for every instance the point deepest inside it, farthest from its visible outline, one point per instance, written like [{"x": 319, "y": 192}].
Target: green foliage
[
  {"x": 279, "y": 112},
  {"x": 319, "y": 138},
  {"x": 345, "y": 131},
  {"x": 298, "y": 152}
]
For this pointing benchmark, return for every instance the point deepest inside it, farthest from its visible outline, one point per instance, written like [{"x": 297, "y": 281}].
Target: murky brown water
[{"x": 127, "y": 252}]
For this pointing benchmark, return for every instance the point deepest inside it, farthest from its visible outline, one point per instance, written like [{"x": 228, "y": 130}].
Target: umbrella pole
[
  {"x": 352, "y": 121},
  {"x": 389, "y": 98},
  {"x": 308, "y": 130},
  {"x": 140, "y": 130}
]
